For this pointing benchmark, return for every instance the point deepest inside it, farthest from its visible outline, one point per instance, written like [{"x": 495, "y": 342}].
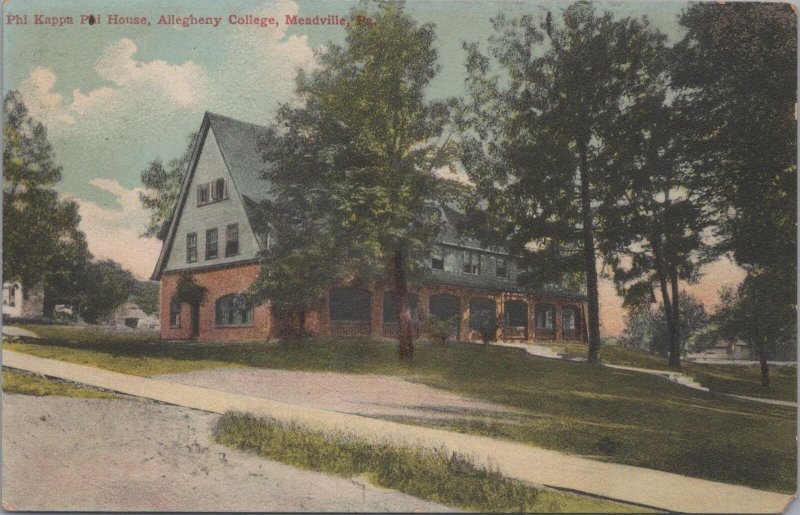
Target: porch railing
[
  {"x": 392, "y": 329},
  {"x": 515, "y": 332},
  {"x": 350, "y": 328}
]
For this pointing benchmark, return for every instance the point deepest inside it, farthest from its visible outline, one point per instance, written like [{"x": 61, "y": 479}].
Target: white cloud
[
  {"x": 114, "y": 232},
  {"x": 145, "y": 89}
]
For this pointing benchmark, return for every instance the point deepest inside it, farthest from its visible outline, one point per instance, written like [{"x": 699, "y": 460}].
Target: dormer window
[
  {"x": 437, "y": 258},
  {"x": 213, "y": 191},
  {"x": 472, "y": 263},
  {"x": 502, "y": 268}
]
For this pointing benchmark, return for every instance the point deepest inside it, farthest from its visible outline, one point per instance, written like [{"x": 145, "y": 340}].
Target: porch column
[
  {"x": 325, "y": 315},
  {"x": 376, "y": 312},
  {"x": 423, "y": 305},
  {"x": 559, "y": 328},
  {"x": 500, "y": 308},
  {"x": 531, "y": 319},
  {"x": 463, "y": 328}
]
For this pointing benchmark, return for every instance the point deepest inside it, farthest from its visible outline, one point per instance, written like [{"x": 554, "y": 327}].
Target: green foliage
[
  {"x": 646, "y": 329},
  {"x": 28, "y": 384},
  {"x": 145, "y": 295},
  {"x": 107, "y": 286},
  {"x": 538, "y": 126},
  {"x": 485, "y": 321},
  {"x": 353, "y": 170},
  {"x": 760, "y": 312},
  {"x": 40, "y": 231},
  {"x": 189, "y": 292},
  {"x": 434, "y": 475},
  {"x": 438, "y": 329},
  {"x": 162, "y": 189},
  {"x": 737, "y": 66}
]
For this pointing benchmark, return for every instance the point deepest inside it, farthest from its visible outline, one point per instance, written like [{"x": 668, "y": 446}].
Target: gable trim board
[{"x": 238, "y": 170}]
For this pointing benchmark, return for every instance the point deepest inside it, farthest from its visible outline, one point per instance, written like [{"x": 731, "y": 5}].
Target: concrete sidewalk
[{"x": 646, "y": 487}]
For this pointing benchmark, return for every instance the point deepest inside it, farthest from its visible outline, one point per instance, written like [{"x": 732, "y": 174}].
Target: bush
[
  {"x": 438, "y": 329},
  {"x": 485, "y": 321}
]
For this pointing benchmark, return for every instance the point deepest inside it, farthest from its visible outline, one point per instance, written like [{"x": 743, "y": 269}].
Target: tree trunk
[
  {"x": 663, "y": 282},
  {"x": 301, "y": 322},
  {"x": 589, "y": 256},
  {"x": 762, "y": 359},
  {"x": 406, "y": 337},
  {"x": 676, "y": 345}
]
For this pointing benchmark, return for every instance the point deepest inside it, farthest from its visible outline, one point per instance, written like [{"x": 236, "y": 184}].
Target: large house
[{"x": 212, "y": 238}]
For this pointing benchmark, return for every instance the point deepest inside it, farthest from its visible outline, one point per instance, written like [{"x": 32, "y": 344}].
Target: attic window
[
  {"x": 472, "y": 263},
  {"x": 502, "y": 268},
  {"x": 437, "y": 259},
  {"x": 213, "y": 191}
]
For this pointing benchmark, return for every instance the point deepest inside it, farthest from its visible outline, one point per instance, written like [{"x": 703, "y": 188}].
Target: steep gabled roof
[{"x": 238, "y": 142}]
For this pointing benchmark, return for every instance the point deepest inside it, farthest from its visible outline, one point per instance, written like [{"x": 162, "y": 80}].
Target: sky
[{"x": 116, "y": 96}]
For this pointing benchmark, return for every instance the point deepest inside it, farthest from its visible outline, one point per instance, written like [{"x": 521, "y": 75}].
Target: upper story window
[
  {"x": 502, "y": 268},
  {"x": 437, "y": 258},
  {"x": 472, "y": 263},
  {"x": 213, "y": 191},
  {"x": 191, "y": 247},
  {"x": 211, "y": 244},
  {"x": 232, "y": 240}
]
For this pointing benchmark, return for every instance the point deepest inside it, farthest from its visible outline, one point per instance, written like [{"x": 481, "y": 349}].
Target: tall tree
[
  {"x": 162, "y": 188},
  {"x": 539, "y": 127},
  {"x": 362, "y": 152},
  {"x": 653, "y": 234},
  {"x": 737, "y": 68},
  {"x": 39, "y": 228}
]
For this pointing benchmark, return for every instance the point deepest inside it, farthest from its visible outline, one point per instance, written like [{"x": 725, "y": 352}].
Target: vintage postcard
[{"x": 386, "y": 255}]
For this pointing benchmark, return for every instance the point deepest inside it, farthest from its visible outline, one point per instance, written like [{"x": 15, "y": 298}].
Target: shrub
[
  {"x": 485, "y": 321},
  {"x": 438, "y": 329}
]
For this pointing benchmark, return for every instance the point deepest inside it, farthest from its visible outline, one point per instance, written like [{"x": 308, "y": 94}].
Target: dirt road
[{"x": 63, "y": 454}]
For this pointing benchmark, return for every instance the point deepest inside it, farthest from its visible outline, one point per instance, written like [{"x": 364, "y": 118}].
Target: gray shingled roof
[
  {"x": 486, "y": 282},
  {"x": 239, "y": 143}
]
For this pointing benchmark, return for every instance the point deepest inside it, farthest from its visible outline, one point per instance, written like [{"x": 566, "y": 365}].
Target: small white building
[{"x": 23, "y": 302}]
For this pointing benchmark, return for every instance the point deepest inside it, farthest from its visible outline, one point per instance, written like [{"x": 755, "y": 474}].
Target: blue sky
[{"x": 115, "y": 97}]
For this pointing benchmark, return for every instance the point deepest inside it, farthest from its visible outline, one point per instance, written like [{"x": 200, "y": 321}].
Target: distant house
[
  {"x": 131, "y": 315},
  {"x": 23, "y": 302},
  {"x": 212, "y": 237}
]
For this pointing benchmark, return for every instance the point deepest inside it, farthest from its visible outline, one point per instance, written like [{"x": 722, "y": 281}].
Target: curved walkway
[
  {"x": 543, "y": 351},
  {"x": 646, "y": 487}
]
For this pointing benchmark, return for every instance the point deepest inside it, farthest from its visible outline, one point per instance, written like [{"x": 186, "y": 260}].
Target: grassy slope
[
  {"x": 434, "y": 475},
  {"x": 735, "y": 379},
  {"x": 624, "y": 417},
  {"x": 27, "y": 384}
]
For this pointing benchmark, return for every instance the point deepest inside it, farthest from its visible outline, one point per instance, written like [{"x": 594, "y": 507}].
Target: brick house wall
[{"x": 219, "y": 282}]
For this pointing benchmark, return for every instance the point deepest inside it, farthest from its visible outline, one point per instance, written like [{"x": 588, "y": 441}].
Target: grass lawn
[
  {"x": 434, "y": 475},
  {"x": 615, "y": 415},
  {"x": 28, "y": 384},
  {"x": 734, "y": 379}
]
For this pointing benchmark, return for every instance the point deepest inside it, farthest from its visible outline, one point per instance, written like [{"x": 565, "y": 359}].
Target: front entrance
[{"x": 195, "y": 320}]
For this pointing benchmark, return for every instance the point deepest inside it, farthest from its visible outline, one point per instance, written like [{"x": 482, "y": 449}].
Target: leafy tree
[
  {"x": 162, "y": 189},
  {"x": 737, "y": 66},
  {"x": 653, "y": 235},
  {"x": 761, "y": 313},
  {"x": 538, "y": 130},
  {"x": 145, "y": 295},
  {"x": 359, "y": 158},
  {"x": 107, "y": 287},
  {"x": 40, "y": 231},
  {"x": 646, "y": 329}
]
